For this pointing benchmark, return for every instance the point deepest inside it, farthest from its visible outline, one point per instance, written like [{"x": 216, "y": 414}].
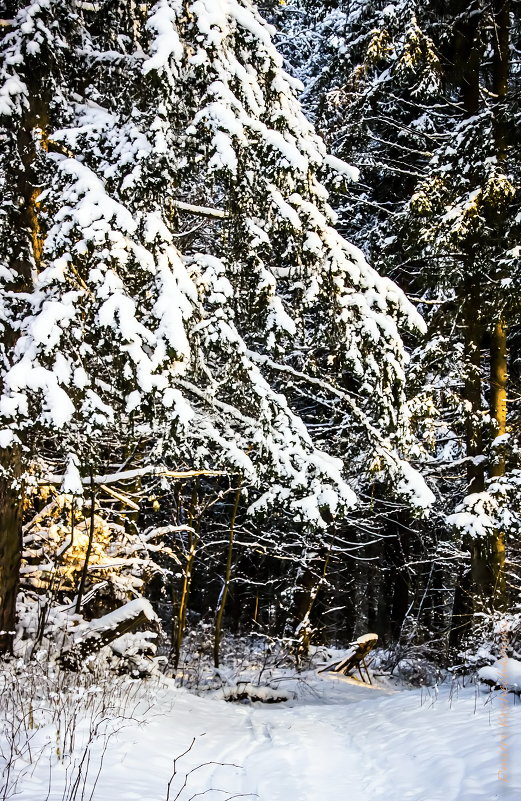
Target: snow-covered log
[{"x": 106, "y": 629}]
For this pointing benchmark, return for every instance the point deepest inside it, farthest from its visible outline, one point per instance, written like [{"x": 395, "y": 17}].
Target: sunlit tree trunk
[
  {"x": 489, "y": 555},
  {"x": 315, "y": 581},
  {"x": 465, "y": 67},
  {"x": 498, "y": 391},
  {"x": 498, "y": 413}
]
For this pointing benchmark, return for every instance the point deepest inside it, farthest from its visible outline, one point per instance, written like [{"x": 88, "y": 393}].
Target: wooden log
[{"x": 104, "y": 630}]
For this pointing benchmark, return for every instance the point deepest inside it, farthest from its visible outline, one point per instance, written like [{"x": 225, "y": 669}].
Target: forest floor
[{"x": 337, "y": 741}]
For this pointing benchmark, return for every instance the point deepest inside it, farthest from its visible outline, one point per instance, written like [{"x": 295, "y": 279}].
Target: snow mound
[
  {"x": 246, "y": 691},
  {"x": 505, "y": 673}
]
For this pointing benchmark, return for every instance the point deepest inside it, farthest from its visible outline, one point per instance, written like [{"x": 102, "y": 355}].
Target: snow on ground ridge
[{"x": 341, "y": 741}]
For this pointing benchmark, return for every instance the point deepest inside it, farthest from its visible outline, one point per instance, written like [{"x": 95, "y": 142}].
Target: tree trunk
[
  {"x": 10, "y": 543},
  {"x": 304, "y": 628},
  {"x": 178, "y": 629},
  {"x": 25, "y": 262},
  {"x": 465, "y": 66},
  {"x": 473, "y": 389},
  {"x": 469, "y": 576},
  {"x": 498, "y": 392},
  {"x": 501, "y": 63},
  {"x": 489, "y": 554},
  {"x": 92, "y": 529},
  {"x": 489, "y": 558},
  {"x": 226, "y": 585}
]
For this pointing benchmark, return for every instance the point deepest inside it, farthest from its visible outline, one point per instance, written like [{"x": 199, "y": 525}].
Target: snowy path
[{"x": 349, "y": 744}]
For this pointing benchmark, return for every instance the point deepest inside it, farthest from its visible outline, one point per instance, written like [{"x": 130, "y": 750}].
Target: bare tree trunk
[
  {"x": 501, "y": 65},
  {"x": 193, "y": 539},
  {"x": 185, "y": 595},
  {"x": 498, "y": 391},
  {"x": 488, "y": 554},
  {"x": 92, "y": 528},
  {"x": 473, "y": 390},
  {"x": 226, "y": 585},
  {"x": 304, "y": 627}
]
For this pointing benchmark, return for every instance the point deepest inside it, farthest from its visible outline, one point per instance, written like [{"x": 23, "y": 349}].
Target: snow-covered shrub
[
  {"x": 67, "y": 543},
  {"x": 256, "y": 660},
  {"x": 417, "y": 671},
  {"x": 504, "y": 674},
  {"x": 494, "y": 636},
  {"x": 56, "y": 540},
  {"x": 62, "y": 720},
  {"x": 413, "y": 664},
  {"x": 246, "y": 692}
]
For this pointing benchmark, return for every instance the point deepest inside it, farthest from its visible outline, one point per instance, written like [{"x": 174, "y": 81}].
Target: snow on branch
[
  {"x": 85, "y": 6},
  {"x": 129, "y": 475},
  {"x": 203, "y": 211},
  {"x": 101, "y": 631}
]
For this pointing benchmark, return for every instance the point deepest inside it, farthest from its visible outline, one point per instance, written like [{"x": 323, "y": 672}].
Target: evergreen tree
[
  {"x": 424, "y": 98},
  {"x": 172, "y": 282}
]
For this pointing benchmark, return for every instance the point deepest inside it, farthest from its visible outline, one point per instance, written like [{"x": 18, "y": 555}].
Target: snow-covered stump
[{"x": 106, "y": 629}]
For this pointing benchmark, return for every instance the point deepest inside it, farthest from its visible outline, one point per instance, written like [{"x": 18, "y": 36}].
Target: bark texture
[{"x": 10, "y": 543}]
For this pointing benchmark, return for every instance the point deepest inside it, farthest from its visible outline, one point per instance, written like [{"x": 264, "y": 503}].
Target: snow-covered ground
[{"x": 339, "y": 741}]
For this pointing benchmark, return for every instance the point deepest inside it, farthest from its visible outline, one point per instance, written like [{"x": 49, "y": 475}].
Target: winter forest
[{"x": 260, "y": 400}]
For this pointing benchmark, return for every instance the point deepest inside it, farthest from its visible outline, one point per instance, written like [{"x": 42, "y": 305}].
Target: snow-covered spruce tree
[
  {"x": 371, "y": 78},
  {"x": 464, "y": 219},
  {"x": 423, "y": 98},
  {"x": 374, "y": 90},
  {"x": 170, "y": 270}
]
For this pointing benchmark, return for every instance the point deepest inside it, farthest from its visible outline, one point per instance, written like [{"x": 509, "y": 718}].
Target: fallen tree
[{"x": 104, "y": 630}]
